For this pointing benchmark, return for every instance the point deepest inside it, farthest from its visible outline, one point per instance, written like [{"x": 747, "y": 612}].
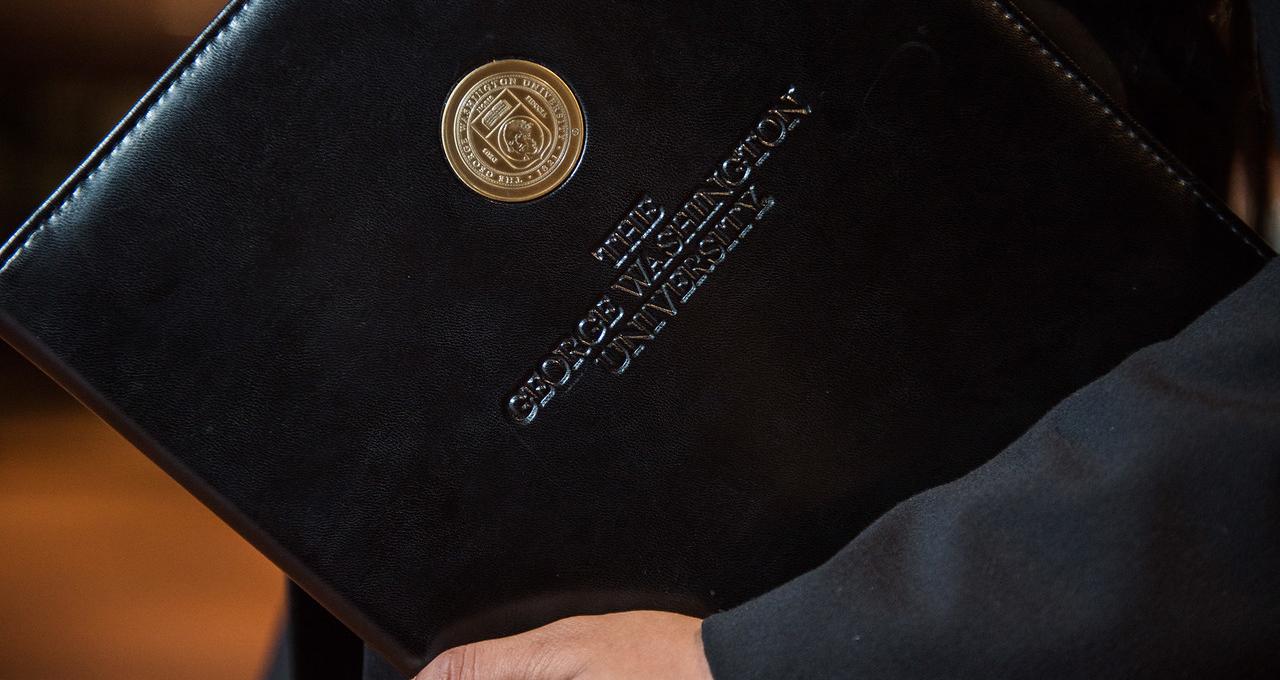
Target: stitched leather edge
[
  {"x": 122, "y": 133},
  {"x": 228, "y": 17},
  {"x": 1186, "y": 181},
  {"x": 142, "y": 112},
  {"x": 407, "y": 661}
]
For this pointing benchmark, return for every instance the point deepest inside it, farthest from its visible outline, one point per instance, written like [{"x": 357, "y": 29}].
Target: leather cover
[{"x": 269, "y": 279}]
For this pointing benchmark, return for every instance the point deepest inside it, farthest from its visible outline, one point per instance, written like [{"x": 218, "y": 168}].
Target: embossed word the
[{"x": 661, "y": 262}]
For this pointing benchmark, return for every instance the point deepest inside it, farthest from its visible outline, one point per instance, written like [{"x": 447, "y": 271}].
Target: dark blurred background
[{"x": 108, "y": 569}]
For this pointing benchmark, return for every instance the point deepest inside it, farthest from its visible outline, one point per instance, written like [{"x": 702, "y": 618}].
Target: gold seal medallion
[{"x": 512, "y": 130}]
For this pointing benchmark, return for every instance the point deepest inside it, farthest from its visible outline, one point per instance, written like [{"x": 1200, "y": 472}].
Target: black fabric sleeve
[{"x": 1133, "y": 532}]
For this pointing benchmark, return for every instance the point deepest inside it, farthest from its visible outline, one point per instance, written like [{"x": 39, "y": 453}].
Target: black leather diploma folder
[{"x": 811, "y": 260}]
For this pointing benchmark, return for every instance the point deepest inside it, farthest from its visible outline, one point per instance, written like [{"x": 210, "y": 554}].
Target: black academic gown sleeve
[{"x": 1133, "y": 532}]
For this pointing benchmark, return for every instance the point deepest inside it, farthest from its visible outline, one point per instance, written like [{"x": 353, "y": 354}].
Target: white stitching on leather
[
  {"x": 128, "y": 136},
  {"x": 1000, "y": 7},
  {"x": 1184, "y": 181}
]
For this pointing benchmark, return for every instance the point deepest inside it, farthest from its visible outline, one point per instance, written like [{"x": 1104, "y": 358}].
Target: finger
[
  {"x": 476, "y": 661},
  {"x": 519, "y": 657}
]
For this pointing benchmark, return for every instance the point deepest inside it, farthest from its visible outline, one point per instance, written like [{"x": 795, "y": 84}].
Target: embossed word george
[
  {"x": 512, "y": 130},
  {"x": 661, "y": 262}
]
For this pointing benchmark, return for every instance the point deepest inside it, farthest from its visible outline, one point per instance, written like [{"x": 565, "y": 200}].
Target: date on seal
[{"x": 512, "y": 130}]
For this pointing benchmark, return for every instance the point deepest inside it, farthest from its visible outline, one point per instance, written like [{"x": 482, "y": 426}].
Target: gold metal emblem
[{"x": 512, "y": 130}]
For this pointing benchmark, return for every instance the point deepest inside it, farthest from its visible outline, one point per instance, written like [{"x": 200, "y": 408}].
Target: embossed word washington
[{"x": 661, "y": 261}]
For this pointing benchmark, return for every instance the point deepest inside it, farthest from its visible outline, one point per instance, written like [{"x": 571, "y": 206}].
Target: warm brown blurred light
[
  {"x": 111, "y": 570},
  {"x": 108, "y": 569}
]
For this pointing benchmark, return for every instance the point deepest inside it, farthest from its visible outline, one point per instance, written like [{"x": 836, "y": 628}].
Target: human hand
[{"x": 640, "y": 645}]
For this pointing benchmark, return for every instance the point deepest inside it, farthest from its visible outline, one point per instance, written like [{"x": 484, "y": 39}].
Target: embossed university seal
[{"x": 512, "y": 130}]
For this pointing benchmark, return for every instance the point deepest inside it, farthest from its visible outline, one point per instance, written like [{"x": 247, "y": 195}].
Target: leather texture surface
[{"x": 270, "y": 280}]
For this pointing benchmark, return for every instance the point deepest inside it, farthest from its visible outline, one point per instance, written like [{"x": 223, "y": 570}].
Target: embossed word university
[{"x": 662, "y": 260}]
